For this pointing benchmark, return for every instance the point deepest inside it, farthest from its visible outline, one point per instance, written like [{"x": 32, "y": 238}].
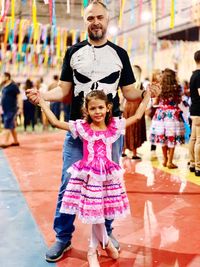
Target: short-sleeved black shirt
[
  {"x": 91, "y": 67},
  {"x": 195, "y": 97},
  {"x": 9, "y": 97}
]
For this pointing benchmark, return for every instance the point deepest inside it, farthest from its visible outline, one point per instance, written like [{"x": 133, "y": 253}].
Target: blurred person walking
[
  {"x": 11, "y": 104},
  {"x": 194, "y": 144},
  {"x": 136, "y": 133}
]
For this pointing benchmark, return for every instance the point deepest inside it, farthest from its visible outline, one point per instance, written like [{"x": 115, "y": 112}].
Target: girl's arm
[
  {"x": 52, "y": 118},
  {"x": 140, "y": 110}
]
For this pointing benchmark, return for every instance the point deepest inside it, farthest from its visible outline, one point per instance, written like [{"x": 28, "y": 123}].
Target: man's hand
[
  {"x": 33, "y": 95},
  {"x": 154, "y": 89}
]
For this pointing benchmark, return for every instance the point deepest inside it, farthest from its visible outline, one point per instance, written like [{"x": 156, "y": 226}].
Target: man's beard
[{"x": 96, "y": 36}]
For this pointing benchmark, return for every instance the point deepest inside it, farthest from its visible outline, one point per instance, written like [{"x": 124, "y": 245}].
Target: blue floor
[{"x": 21, "y": 243}]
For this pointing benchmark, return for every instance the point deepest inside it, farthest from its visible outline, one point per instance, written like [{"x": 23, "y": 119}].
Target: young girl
[
  {"x": 167, "y": 126},
  {"x": 95, "y": 190}
]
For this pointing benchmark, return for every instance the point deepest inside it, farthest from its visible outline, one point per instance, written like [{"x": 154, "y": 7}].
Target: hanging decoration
[
  {"x": 68, "y": 6},
  {"x": 129, "y": 47},
  {"x": 12, "y": 14},
  {"x": 172, "y": 11},
  {"x": 85, "y": 3},
  {"x": 5, "y": 10},
  {"x": 53, "y": 13},
  {"x": 163, "y": 8},
  {"x": 140, "y": 11},
  {"x": 132, "y": 11},
  {"x": 123, "y": 2},
  {"x": 50, "y": 10},
  {"x": 34, "y": 14},
  {"x": 2, "y": 8},
  {"x": 153, "y": 4}
]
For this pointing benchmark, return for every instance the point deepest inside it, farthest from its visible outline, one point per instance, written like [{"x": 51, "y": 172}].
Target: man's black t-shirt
[
  {"x": 91, "y": 67},
  {"x": 195, "y": 97},
  {"x": 9, "y": 97}
]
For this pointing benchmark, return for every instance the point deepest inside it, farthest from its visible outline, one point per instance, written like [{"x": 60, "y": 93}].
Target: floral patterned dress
[
  {"x": 167, "y": 126},
  {"x": 96, "y": 190}
]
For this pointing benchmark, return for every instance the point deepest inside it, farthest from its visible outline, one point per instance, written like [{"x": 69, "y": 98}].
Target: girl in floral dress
[
  {"x": 167, "y": 126},
  {"x": 95, "y": 190}
]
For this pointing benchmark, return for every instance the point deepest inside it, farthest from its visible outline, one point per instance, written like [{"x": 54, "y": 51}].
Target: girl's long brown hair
[
  {"x": 169, "y": 85},
  {"x": 97, "y": 94}
]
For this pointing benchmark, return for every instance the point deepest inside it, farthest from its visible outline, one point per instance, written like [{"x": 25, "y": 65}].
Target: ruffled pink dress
[{"x": 96, "y": 190}]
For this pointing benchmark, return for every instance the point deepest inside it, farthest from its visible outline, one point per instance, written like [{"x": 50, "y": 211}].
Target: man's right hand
[{"x": 33, "y": 95}]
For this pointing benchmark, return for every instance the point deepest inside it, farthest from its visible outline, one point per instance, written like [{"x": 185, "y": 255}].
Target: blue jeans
[{"x": 72, "y": 152}]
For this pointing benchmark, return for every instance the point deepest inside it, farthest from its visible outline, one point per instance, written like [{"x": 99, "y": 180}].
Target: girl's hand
[{"x": 33, "y": 96}]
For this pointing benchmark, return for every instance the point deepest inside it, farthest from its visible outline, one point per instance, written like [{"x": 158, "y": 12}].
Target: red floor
[{"x": 163, "y": 229}]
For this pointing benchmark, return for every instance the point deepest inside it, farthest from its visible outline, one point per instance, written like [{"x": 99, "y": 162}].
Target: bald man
[{"x": 95, "y": 63}]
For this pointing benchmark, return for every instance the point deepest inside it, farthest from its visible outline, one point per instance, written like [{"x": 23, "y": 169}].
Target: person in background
[
  {"x": 194, "y": 144},
  {"x": 167, "y": 126},
  {"x": 135, "y": 134},
  {"x": 28, "y": 107},
  {"x": 153, "y": 104},
  {"x": 11, "y": 104},
  {"x": 42, "y": 88}
]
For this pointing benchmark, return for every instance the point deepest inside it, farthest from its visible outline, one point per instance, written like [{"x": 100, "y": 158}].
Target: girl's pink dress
[{"x": 95, "y": 190}]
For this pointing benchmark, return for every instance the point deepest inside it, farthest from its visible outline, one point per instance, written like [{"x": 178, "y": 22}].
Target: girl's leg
[
  {"x": 165, "y": 156},
  {"x": 170, "y": 164},
  {"x": 99, "y": 235}
]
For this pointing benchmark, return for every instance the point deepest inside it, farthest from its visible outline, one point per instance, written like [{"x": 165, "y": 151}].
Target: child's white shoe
[
  {"x": 92, "y": 258},
  {"x": 111, "y": 251}
]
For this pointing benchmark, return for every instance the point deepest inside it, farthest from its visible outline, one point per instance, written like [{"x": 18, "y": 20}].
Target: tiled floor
[{"x": 162, "y": 231}]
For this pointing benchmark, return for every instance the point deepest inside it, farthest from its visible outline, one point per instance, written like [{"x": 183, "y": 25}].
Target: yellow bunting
[
  {"x": 121, "y": 12},
  {"x": 65, "y": 41},
  {"x": 82, "y": 36},
  {"x": 73, "y": 33},
  {"x": 58, "y": 43},
  {"x": 82, "y": 10},
  {"x": 12, "y": 14},
  {"x": 129, "y": 46},
  {"x": 20, "y": 36},
  {"x": 34, "y": 14},
  {"x": 46, "y": 56},
  {"x": 153, "y": 4},
  {"x": 6, "y": 31},
  {"x": 172, "y": 9},
  {"x": 36, "y": 34}
]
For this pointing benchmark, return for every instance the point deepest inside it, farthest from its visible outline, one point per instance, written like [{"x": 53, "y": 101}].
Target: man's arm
[
  {"x": 131, "y": 93},
  {"x": 59, "y": 93}
]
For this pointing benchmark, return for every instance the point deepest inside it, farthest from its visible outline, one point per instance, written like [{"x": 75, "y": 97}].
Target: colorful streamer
[
  {"x": 34, "y": 14},
  {"x": 68, "y": 6},
  {"x": 153, "y": 4},
  {"x": 12, "y": 14},
  {"x": 163, "y": 8},
  {"x": 132, "y": 11},
  {"x": 121, "y": 12},
  {"x": 58, "y": 43},
  {"x": 140, "y": 10},
  {"x": 53, "y": 13},
  {"x": 85, "y": 3},
  {"x": 172, "y": 11}
]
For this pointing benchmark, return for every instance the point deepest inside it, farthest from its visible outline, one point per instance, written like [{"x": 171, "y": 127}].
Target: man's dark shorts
[{"x": 9, "y": 119}]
